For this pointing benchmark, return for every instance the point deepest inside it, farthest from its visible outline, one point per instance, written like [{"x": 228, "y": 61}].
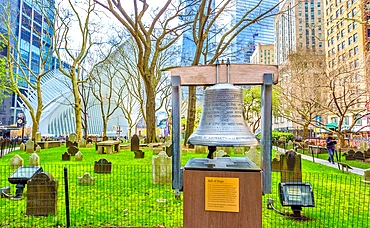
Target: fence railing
[{"x": 127, "y": 197}]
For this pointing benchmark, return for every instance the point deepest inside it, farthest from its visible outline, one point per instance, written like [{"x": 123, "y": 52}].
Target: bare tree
[
  {"x": 153, "y": 32},
  {"x": 76, "y": 47},
  {"x": 300, "y": 88}
]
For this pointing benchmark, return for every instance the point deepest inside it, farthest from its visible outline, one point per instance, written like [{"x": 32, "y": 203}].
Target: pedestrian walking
[{"x": 330, "y": 146}]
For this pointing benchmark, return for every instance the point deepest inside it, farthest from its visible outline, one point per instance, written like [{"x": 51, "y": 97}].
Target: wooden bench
[
  {"x": 49, "y": 144},
  {"x": 344, "y": 165},
  {"x": 109, "y": 145}
]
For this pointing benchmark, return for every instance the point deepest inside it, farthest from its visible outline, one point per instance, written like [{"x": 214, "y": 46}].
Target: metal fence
[{"x": 127, "y": 197}]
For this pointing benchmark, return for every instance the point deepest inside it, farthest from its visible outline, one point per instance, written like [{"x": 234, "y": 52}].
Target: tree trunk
[
  {"x": 150, "y": 116},
  {"x": 191, "y": 113},
  {"x": 305, "y": 132},
  {"x": 77, "y": 107}
]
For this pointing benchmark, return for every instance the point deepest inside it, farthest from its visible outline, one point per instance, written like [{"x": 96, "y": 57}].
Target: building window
[
  {"x": 349, "y": 28},
  {"x": 341, "y": 10},
  {"x": 354, "y": 25},
  {"x": 348, "y": 4},
  {"x": 318, "y": 4},
  {"x": 356, "y": 50},
  {"x": 355, "y": 37},
  {"x": 368, "y": 32},
  {"x": 346, "y": 120},
  {"x": 358, "y": 119},
  {"x": 350, "y": 40},
  {"x": 357, "y": 63}
]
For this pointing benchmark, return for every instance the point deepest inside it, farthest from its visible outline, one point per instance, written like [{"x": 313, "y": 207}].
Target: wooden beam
[{"x": 240, "y": 74}]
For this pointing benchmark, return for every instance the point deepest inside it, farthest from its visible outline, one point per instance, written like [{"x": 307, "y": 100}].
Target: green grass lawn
[{"x": 127, "y": 197}]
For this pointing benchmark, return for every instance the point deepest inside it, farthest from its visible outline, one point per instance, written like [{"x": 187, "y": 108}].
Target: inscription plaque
[{"x": 222, "y": 194}]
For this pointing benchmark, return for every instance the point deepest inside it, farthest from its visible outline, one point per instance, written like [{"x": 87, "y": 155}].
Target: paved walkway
[{"x": 324, "y": 162}]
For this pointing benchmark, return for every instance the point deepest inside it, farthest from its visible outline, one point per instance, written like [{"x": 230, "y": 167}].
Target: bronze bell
[{"x": 223, "y": 120}]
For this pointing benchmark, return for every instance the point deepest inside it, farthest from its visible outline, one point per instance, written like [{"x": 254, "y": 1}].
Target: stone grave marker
[
  {"x": 275, "y": 165},
  {"x": 350, "y": 155},
  {"x": 16, "y": 161},
  {"x": 70, "y": 143},
  {"x": 86, "y": 180},
  {"x": 82, "y": 143},
  {"x": 34, "y": 160},
  {"x": 162, "y": 169},
  {"x": 135, "y": 143},
  {"x": 184, "y": 151},
  {"x": 254, "y": 155},
  {"x": 220, "y": 153},
  {"x": 291, "y": 168},
  {"x": 200, "y": 149},
  {"x": 363, "y": 146},
  {"x": 22, "y": 147},
  {"x": 30, "y": 146},
  {"x": 38, "y": 148},
  {"x": 227, "y": 149},
  {"x": 66, "y": 156},
  {"x": 105, "y": 138},
  {"x": 246, "y": 148},
  {"x": 169, "y": 150},
  {"x": 78, "y": 156},
  {"x": 103, "y": 166},
  {"x": 366, "y": 176},
  {"x": 42, "y": 195},
  {"x": 367, "y": 153},
  {"x": 72, "y": 150},
  {"x": 38, "y": 137},
  {"x": 139, "y": 154},
  {"x": 238, "y": 150},
  {"x": 359, "y": 155},
  {"x": 156, "y": 151},
  {"x": 89, "y": 145},
  {"x": 290, "y": 144},
  {"x": 73, "y": 137},
  {"x": 89, "y": 140},
  {"x": 190, "y": 146}
]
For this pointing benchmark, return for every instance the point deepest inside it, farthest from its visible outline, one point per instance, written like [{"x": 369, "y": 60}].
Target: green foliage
[{"x": 276, "y": 135}]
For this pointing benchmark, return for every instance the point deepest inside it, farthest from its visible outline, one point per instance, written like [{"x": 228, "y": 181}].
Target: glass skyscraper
[{"x": 31, "y": 31}]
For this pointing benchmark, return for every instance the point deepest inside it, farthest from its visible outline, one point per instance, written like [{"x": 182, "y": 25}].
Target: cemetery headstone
[
  {"x": 363, "y": 146},
  {"x": 156, "y": 151},
  {"x": 350, "y": 155},
  {"x": 238, "y": 150},
  {"x": 135, "y": 143},
  {"x": 139, "y": 154},
  {"x": 89, "y": 145},
  {"x": 184, "y": 151},
  {"x": 78, "y": 156},
  {"x": 190, "y": 146},
  {"x": 16, "y": 161},
  {"x": 227, "y": 149},
  {"x": 367, "y": 153},
  {"x": 220, "y": 153},
  {"x": 82, "y": 143},
  {"x": 22, "y": 146},
  {"x": 38, "y": 148},
  {"x": 290, "y": 144},
  {"x": 275, "y": 165},
  {"x": 169, "y": 150},
  {"x": 162, "y": 169},
  {"x": 42, "y": 195},
  {"x": 291, "y": 168},
  {"x": 103, "y": 166},
  {"x": 254, "y": 155},
  {"x": 72, "y": 150},
  {"x": 30, "y": 146},
  {"x": 359, "y": 156},
  {"x": 89, "y": 140},
  {"x": 366, "y": 176},
  {"x": 105, "y": 138},
  {"x": 66, "y": 156},
  {"x": 73, "y": 137},
  {"x": 86, "y": 179},
  {"x": 34, "y": 160},
  {"x": 200, "y": 149},
  {"x": 38, "y": 137}
]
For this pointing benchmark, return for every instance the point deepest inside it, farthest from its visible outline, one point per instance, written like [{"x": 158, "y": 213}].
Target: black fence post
[{"x": 67, "y": 197}]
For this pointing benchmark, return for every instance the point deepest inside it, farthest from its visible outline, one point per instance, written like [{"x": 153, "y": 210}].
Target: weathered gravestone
[
  {"x": 89, "y": 145},
  {"x": 350, "y": 155},
  {"x": 38, "y": 148},
  {"x": 254, "y": 155},
  {"x": 22, "y": 147},
  {"x": 238, "y": 150},
  {"x": 42, "y": 195},
  {"x": 366, "y": 176},
  {"x": 139, "y": 154},
  {"x": 30, "y": 146},
  {"x": 169, "y": 150},
  {"x": 200, "y": 149},
  {"x": 290, "y": 144},
  {"x": 363, "y": 146},
  {"x": 72, "y": 140},
  {"x": 38, "y": 137},
  {"x": 275, "y": 165},
  {"x": 291, "y": 168},
  {"x": 162, "y": 168},
  {"x": 34, "y": 160},
  {"x": 367, "y": 153},
  {"x": 220, "y": 153},
  {"x": 226, "y": 149},
  {"x": 16, "y": 161},
  {"x": 135, "y": 143},
  {"x": 359, "y": 155},
  {"x": 66, "y": 156},
  {"x": 78, "y": 156},
  {"x": 72, "y": 150},
  {"x": 156, "y": 151},
  {"x": 105, "y": 138},
  {"x": 82, "y": 143},
  {"x": 103, "y": 166},
  {"x": 86, "y": 179}
]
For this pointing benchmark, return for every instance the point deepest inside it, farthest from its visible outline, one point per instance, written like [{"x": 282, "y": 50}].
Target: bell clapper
[{"x": 211, "y": 150}]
